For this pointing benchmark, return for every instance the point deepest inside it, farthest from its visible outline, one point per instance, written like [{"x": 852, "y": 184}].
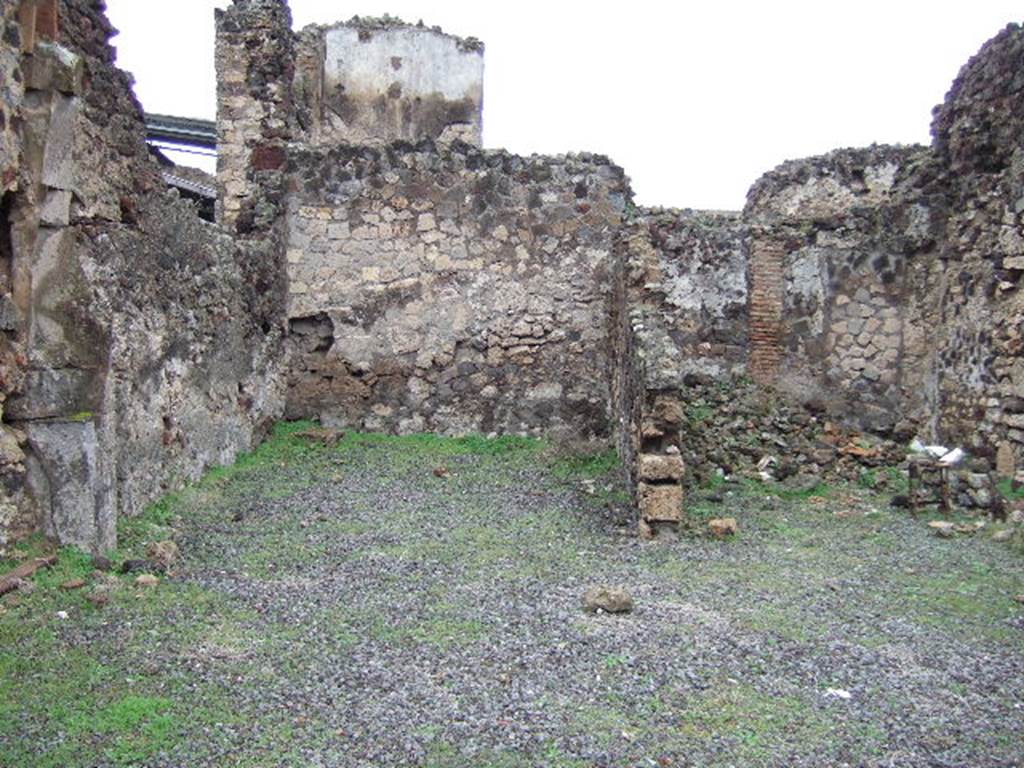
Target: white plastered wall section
[{"x": 400, "y": 81}]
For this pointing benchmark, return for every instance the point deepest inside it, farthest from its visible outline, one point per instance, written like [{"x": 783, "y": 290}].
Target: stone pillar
[
  {"x": 255, "y": 62},
  {"x": 659, "y": 464}
]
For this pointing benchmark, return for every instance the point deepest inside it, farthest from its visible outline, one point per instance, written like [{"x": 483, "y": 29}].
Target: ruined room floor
[{"x": 416, "y": 601}]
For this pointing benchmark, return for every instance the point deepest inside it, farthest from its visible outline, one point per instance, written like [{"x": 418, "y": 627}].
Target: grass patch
[
  {"x": 975, "y": 600},
  {"x": 439, "y": 446},
  {"x": 697, "y": 514},
  {"x": 445, "y": 631},
  {"x": 899, "y": 482},
  {"x": 73, "y": 690},
  {"x": 887, "y": 479},
  {"x": 586, "y": 465},
  {"x": 443, "y": 754},
  {"x": 868, "y": 479},
  {"x": 288, "y": 462},
  {"x": 604, "y": 723},
  {"x": 821, "y": 489},
  {"x": 441, "y": 626},
  {"x": 26, "y": 549},
  {"x": 136, "y": 727},
  {"x": 753, "y": 725},
  {"x": 752, "y": 486},
  {"x": 1010, "y": 493},
  {"x": 713, "y": 481},
  {"x": 118, "y": 685},
  {"x": 698, "y": 413}
]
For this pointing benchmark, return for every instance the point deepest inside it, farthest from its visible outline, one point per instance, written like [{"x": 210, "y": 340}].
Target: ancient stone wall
[
  {"x": 255, "y": 63},
  {"x": 833, "y": 242},
  {"x": 12, "y": 90},
  {"x": 16, "y": 513},
  {"x": 377, "y": 270},
  {"x": 451, "y": 290},
  {"x": 688, "y": 270},
  {"x": 979, "y": 139},
  {"x": 141, "y": 343},
  {"x": 374, "y": 81},
  {"x": 647, "y": 414},
  {"x": 679, "y": 318}
]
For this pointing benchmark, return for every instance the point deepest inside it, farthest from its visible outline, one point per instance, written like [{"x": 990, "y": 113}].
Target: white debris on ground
[
  {"x": 838, "y": 693},
  {"x": 947, "y": 456}
]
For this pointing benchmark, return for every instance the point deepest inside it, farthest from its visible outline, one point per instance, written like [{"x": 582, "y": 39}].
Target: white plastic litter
[
  {"x": 947, "y": 456},
  {"x": 952, "y": 458},
  {"x": 766, "y": 463},
  {"x": 838, "y": 693}
]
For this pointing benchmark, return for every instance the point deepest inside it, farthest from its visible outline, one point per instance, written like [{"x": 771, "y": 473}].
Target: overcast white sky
[{"x": 694, "y": 99}]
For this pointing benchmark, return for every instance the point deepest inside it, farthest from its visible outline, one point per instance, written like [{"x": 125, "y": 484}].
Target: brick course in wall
[{"x": 766, "y": 301}]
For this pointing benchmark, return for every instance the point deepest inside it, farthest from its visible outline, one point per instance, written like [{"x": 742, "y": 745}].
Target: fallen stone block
[
  {"x": 608, "y": 600},
  {"x": 162, "y": 553},
  {"x": 13, "y": 580},
  {"x": 723, "y": 527}
]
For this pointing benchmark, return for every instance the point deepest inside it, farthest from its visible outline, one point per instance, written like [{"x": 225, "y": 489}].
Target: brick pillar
[
  {"x": 39, "y": 20},
  {"x": 255, "y": 62},
  {"x": 766, "y": 292}
]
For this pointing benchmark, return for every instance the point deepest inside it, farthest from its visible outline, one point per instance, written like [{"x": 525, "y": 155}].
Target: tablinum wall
[{"x": 451, "y": 290}]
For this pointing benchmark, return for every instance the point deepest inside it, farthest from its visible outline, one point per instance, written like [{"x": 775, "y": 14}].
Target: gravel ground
[{"x": 348, "y": 606}]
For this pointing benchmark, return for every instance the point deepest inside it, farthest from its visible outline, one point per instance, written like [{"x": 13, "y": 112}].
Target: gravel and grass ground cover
[{"x": 415, "y": 601}]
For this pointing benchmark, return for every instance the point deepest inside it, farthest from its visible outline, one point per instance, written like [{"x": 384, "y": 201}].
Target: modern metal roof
[
  {"x": 202, "y": 190},
  {"x": 187, "y": 131}
]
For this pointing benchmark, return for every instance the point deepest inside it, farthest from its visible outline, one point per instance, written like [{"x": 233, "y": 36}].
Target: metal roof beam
[{"x": 187, "y": 131}]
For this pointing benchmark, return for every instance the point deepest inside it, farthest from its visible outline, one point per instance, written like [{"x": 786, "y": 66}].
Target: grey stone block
[{"x": 68, "y": 476}]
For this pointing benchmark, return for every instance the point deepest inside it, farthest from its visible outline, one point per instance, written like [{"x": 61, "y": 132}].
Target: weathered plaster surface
[{"x": 399, "y": 82}]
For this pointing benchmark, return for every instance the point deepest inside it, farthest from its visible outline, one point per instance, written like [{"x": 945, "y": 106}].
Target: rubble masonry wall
[
  {"x": 979, "y": 140},
  {"x": 142, "y": 342},
  {"x": 451, "y": 289}
]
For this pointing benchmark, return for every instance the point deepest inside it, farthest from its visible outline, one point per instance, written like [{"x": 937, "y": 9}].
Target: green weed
[
  {"x": 1010, "y": 493},
  {"x": 586, "y": 465},
  {"x": 698, "y": 413},
  {"x": 752, "y": 724}
]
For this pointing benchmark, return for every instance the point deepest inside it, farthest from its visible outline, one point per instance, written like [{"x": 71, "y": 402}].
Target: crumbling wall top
[
  {"x": 378, "y": 80},
  {"x": 371, "y": 24},
  {"x": 831, "y": 185},
  {"x": 980, "y": 124}
]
